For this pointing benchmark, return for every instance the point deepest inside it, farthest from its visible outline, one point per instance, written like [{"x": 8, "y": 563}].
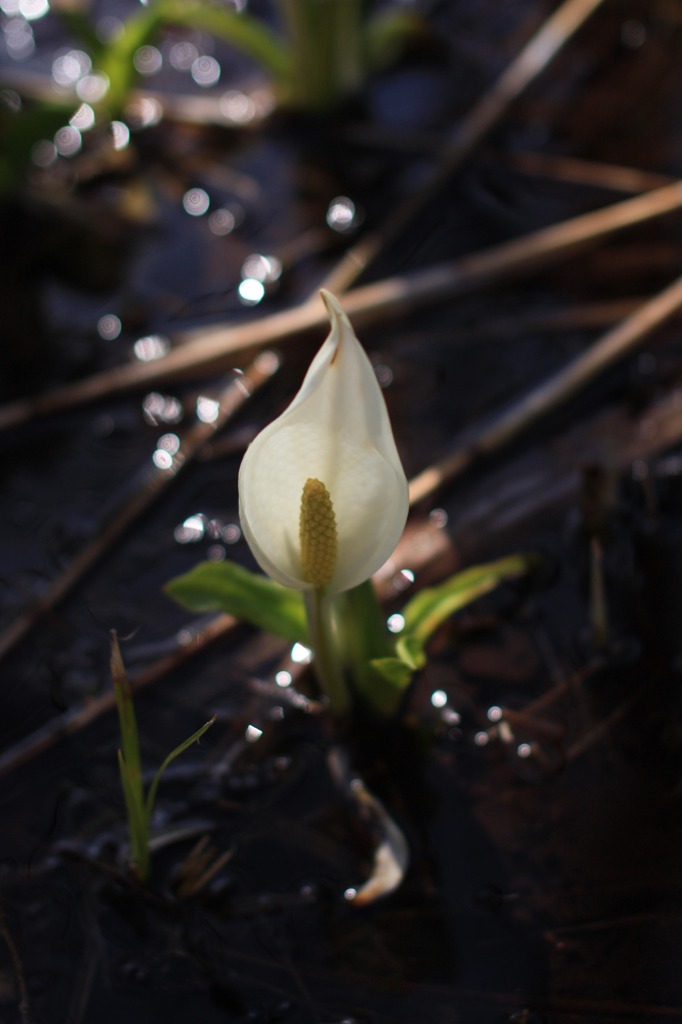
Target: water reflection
[
  {"x": 438, "y": 517},
  {"x": 69, "y": 67},
  {"x": 266, "y": 269},
  {"x": 92, "y": 88},
  {"x": 68, "y": 141},
  {"x": 301, "y": 655},
  {"x": 251, "y": 292},
  {"x": 159, "y": 408},
  {"x": 144, "y": 112},
  {"x": 396, "y": 623},
  {"x": 148, "y": 60},
  {"x": 167, "y": 448},
  {"x": 191, "y": 531},
  {"x": 238, "y": 107},
  {"x": 182, "y": 55},
  {"x": 231, "y": 533},
  {"x": 196, "y": 202},
  {"x": 205, "y": 71},
  {"x": 208, "y": 409},
  {"x": 283, "y": 678},
  {"x": 341, "y": 214},
  {"x": 384, "y": 375},
  {"x": 109, "y": 326},
  {"x": 19, "y": 40},
  {"x": 162, "y": 459},
  {"x": 120, "y": 134},
  {"x": 222, "y": 222},
  {"x": 84, "y": 118},
  {"x": 169, "y": 443},
  {"x": 403, "y": 579},
  {"x": 33, "y": 9},
  {"x": 151, "y": 347}
]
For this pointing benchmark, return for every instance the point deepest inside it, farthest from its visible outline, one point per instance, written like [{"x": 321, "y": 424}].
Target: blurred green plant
[
  {"x": 321, "y": 54},
  {"x": 139, "y": 806}
]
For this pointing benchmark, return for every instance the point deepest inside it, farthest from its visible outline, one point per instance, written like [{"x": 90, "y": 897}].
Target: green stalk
[
  {"x": 361, "y": 627},
  {"x": 325, "y": 40},
  {"x": 327, "y": 665}
]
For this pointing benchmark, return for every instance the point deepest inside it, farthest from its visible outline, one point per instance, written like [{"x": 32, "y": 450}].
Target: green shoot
[{"x": 139, "y": 808}]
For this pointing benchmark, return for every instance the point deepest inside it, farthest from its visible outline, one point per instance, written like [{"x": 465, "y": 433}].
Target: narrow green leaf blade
[
  {"x": 151, "y": 795},
  {"x": 433, "y": 605},
  {"x": 126, "y": 714},
  {"x": 226, "y": 587}
]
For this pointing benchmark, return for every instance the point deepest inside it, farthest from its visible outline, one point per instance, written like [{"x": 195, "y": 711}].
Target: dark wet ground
[{"x": 545, "y": 881}]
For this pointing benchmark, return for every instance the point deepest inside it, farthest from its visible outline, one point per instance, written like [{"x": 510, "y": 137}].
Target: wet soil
[{"x": 535, "y": 764}]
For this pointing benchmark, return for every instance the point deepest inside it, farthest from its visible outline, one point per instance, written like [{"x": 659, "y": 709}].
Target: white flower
[{"x": 334, "y": 442}]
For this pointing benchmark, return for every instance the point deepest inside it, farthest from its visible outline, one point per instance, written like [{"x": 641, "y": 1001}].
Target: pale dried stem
[
  {"x": 588, "y": 172},
  {"x": 215, "y": 348},
  {"x": 156, "y": 483},
  {"x": 504, "y": 427}
]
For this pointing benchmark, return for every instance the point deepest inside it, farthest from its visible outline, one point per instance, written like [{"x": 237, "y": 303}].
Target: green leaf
[
  {"x": 433, "y": 605},
  {"x": 226, "y": 587},
  {"x": 410, "y": 650},
  {"x": 151, "y": 795},
  {"x": 425, "y": 613},
  {"x": 388, "y": 34},
  {"x": 126, "y": 714},
  {"x": 137, "y": 818}
]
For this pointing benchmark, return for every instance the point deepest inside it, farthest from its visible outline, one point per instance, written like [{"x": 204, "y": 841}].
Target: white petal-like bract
[{"x": 337, "y": 431}]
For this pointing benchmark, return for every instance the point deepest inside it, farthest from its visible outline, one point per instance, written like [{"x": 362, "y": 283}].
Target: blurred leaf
[
  {"x": 410, "y": 650},
  {"x": 19, "y": 133},
  {"x": 388, "y": 34},
  {"x": 390, "y": 678},
  {"x": 227, "y": 587},
  {"x": 239, "y": 28}
]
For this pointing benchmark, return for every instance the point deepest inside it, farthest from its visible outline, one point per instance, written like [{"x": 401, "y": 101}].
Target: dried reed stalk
[
  {"x": 212, "y": 349},
  {"x": 503, "y": 427},
  {"x": 156, "y": 482},
  {"x": 483, "y": 117}
]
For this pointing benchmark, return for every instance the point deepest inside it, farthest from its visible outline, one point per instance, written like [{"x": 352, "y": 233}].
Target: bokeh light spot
[
  {"x": 205, "y": 71},
  {"x": 109, "y": 326},
  {"x": 196, "y": 202}
]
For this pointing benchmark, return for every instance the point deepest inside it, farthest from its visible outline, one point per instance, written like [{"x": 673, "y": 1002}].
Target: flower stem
[{"x": 327, "y": 664}]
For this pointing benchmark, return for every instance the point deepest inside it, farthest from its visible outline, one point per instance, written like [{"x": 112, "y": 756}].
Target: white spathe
[{"x": 336, "y": 430}]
